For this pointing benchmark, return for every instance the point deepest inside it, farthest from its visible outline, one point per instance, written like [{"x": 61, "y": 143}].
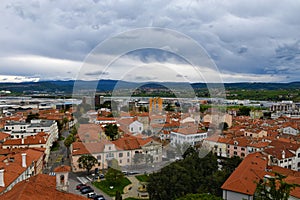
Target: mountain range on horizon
[{"x": 109, "y": 85}]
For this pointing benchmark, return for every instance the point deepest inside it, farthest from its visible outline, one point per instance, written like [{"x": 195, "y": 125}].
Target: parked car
[
  {"x": 99, "y": 176},
  {"x": 84, "y": 186},
  {"x": 86, "y": 190},
  {"x": 133, "y": 173},
  {"x": 79, "y": 186},
  {"x": 91, "y": 195},
  {"x": 99, "y": 197}
]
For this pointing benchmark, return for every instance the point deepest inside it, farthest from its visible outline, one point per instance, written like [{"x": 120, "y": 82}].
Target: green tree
[
  {"x": 274, "y": 188},
  {"x": 244, "y": 110},
  {"x": 112, "y": 176},
  {"x": 118, "y": 195},
  {"x": 183, "y": 177},
  {"x": 199, "y": 196},
  {"x": 65, "y": 122},
  {"x": 169, "y": 107},
  {"x": 32, "y": 116},
  {"x": 87, "y": 162},
  {"x": 111, "y": 130},
  {"x": 68, "y": 141},
  {"x": 230, "y": 164},
  {"x": 223, "y": 126}
]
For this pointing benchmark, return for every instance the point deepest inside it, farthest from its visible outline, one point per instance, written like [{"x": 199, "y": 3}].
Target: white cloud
[{"x": 250, "y": 39}]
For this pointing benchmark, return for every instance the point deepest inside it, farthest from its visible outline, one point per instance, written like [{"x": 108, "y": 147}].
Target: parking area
[{"x": 76, "y": 179}]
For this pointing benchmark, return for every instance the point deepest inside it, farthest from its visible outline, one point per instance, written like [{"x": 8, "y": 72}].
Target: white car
[{"x": 91, "y": 195}]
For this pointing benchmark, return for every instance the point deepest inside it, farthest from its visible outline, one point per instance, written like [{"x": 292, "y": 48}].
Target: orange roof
[
  {"x": 41, "y": 186},
  {"x": 80, "y": 148},
  {"x": 63, "y": 168},
  {"x": 247, "y": 174},
  {"x": 30, "y": 140},
  {"x": 12, "y": 164},
  {"x": 131, "y": 142},
  {"x": 89, "y": 132},
  {"x": 3, "y": 136}
]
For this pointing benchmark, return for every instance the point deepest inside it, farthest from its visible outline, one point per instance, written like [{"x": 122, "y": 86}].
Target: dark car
[
  {"x": 99, "y": 197},
  {"x": 79, "y": 186},
  {"x": 86, "y": 190},
  {"x": 99, "y": 176}
]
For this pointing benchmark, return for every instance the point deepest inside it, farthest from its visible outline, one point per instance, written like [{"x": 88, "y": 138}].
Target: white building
[
  {"x": 22, "y": 129},
  {"x": 187, "y": 135}
]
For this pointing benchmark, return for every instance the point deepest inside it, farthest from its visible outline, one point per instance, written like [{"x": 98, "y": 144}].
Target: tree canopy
[
  {"x": 274, "y": 188},
  {"x": 193, "y": 174},
  {"x": 111, "y": 130},
  {"x": 87, "y": 162}
]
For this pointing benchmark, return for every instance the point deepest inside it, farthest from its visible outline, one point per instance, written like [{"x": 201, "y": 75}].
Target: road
[{"x": 58, "y": 157}]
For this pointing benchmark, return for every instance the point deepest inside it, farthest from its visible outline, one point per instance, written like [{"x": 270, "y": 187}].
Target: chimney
[
  {"x": 24, "y": 160},
  {"x": 22, "y": 141},
  {"x": 283, "y": 154},
  {"x": 2, "y": 184}
]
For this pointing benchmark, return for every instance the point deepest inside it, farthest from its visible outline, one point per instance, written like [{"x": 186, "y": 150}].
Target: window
[
  {"x": 298, "y": 164},
  {"x": 228, "y": 151},
  {"x": 228, "y": 146},
  {"x": 99, "y": 164},
  {"x": 99, "y": 157},
  {"x": 243, "y": 149},
  {"x": 62, "y": 179},
  {"x": 120, "y": 155},
  {"x": 242, "y": 155},
  {"x": 128, "y": 154},
  {"x": 109, "y": 148},
  {"x": 131, "y": 129},
  {"x": 128, "y": 160},
  {"x": 298, "y": 155},
  {"x": 235, "y": 153},
  {"x": 120, "y": 161},
  {"x": 235, "y": 147}
]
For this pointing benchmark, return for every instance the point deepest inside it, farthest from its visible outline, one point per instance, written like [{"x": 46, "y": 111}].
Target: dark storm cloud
[{"x": 246, "y": 39}]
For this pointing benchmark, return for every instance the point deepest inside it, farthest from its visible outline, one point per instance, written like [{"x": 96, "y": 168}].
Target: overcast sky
[{"x": 247, "y": 40}]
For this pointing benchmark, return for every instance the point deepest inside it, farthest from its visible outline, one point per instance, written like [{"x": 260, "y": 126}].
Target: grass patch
[
  {"x": 142, "y": 178},
  {"x": 118, "y": 186},
  {"x": 131, "y": 198}
]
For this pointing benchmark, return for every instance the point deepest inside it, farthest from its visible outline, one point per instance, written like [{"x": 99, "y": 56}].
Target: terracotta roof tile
[
  {"x": 63, "y": 168},
  {"x": 38, "y": 187}
]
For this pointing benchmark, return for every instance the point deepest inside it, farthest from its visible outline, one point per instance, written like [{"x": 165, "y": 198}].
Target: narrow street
[{"x": 58, "y": 157}]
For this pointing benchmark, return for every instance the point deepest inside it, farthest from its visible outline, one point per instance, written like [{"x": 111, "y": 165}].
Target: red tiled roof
[
  {"x": 30, "y": 140},
  {"x": 131, "y": 142},
  {"x": 38, "y": 187},
  {"x": 13, "y": 168},
  {"x": 247, "y": 174},
  {"x": 80, "y": 148},
  {"x": 63, "y": 168},
  {"x": 3, "y": 136}
]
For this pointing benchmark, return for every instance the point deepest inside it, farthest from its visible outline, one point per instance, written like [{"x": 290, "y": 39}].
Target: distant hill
[{"x": 109, "y": 85}]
